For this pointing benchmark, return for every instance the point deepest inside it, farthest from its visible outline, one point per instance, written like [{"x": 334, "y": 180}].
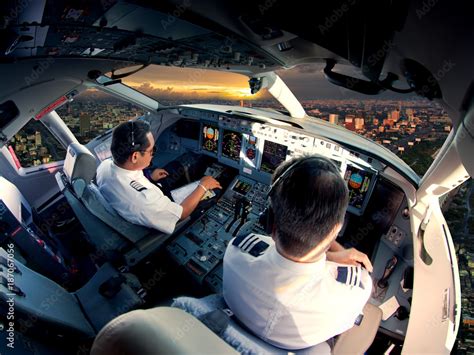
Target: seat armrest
[
  {"x": 60, "y": 180},
  {"x": 101, "y": 309},
  {"x": 359, "y": 338}
]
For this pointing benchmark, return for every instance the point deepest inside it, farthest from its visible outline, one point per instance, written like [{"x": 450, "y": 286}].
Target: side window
[
  {"x": 34, "y": 145},
  {"x": 94, "y": 112}
]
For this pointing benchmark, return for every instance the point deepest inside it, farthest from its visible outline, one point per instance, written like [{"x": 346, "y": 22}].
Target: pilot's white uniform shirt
[
  {"x": 136, "y": 199},
  {"x": 288, "y": 304}
]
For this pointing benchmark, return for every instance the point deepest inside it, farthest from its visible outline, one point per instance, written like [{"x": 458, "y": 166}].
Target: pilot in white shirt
[
  {"x": 299, "y": 287},
  {"x": 136, "y": 199},
  {"x": 123, "y": 184}
]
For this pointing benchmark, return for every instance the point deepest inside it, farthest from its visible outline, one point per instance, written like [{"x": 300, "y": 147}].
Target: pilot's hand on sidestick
[
  {"x": 350, "y": 257},
  {"x": 210, "y": 183}
]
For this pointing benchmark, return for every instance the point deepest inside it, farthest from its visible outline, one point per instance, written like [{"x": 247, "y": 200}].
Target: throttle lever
[{"x": 383, "y": 282}]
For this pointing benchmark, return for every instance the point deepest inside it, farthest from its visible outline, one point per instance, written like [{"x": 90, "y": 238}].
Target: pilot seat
[
  {"x": 113, "y": 236},
  {"x": 42, "y": 309},
  {"x": 21, "y": 225},
  {"x": 203, "y": 326}
]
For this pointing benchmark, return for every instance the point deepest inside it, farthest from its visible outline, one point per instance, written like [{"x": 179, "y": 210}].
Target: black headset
[{"x": 267, "y": 218}]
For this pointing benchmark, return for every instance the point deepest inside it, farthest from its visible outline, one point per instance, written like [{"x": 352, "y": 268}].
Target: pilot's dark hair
[
  {"x": 129, "y": 137},
  {"x": 308, "y": 201}
]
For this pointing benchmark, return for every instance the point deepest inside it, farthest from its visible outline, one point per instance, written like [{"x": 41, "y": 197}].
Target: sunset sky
[
  {"x": 307, "y": 82},
  {"x": 198, "y": 83}
]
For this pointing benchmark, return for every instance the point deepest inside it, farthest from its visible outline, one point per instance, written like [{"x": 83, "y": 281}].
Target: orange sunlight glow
[
  {"x": 200, "y": 91},
  {"x": 189, "y": 83}
]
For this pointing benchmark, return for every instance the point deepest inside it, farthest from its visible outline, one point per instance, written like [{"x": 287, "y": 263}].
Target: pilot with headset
[
  {"x": 124, "y": 185},
  {"x": 299, "y": 287}
]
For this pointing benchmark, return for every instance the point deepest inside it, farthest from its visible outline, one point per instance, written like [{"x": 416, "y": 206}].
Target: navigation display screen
[
  {"x": 210, "y": 137},
  {"x": 273, "y": 155},
  {"x": 359, "y": 183},
  {"x": 231, "y": 145}
]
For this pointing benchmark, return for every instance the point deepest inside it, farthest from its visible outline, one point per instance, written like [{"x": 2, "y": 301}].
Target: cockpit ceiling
[
  {"x": 122, "y": 31},
  {"x": 241, "y": 36}
]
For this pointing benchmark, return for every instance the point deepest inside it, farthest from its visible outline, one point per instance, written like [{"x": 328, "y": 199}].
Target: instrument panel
[{"x": 257, "y": 149}]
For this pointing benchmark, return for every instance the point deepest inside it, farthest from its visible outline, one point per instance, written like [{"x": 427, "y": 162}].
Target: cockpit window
[
  {"x": 414, "y": 128},
  {"x": 172, "y": 86},
  {"x": 411, "y": 127},
  {"x": 94, "y": 112},
  {"x": 34, "y": 145}
]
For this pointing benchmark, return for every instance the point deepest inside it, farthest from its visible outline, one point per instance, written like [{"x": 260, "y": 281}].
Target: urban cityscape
[{"x": 413, "y": 129}]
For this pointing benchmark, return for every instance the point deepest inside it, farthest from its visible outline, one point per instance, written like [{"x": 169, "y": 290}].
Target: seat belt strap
[{"x": 216, "y": 320}]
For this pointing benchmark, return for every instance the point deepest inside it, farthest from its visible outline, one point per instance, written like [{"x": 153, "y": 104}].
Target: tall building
[
  {"x": 37, "y": 138},
  {"x": 334, "y": 119},
  {"x": 395, "y": 115},
  {"x": 84, "y": 124},
  {"x": 359, "y": 123},
  {"x": 349, "y": 122}
]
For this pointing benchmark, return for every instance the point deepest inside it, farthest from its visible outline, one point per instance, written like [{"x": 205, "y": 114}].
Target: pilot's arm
[
  {"x": 155, "y": 174},
  {"x": 338, "y": 254},
  {"x": 190, "y": 203}
]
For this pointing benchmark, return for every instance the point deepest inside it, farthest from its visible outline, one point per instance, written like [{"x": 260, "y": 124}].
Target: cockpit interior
[
  {"x": 73, "y": 271},
  {"x": 241, "y": 149}
]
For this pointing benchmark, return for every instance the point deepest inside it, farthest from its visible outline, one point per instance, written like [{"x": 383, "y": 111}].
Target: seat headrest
[
  {"x": 160, "y": 330},
  {"x": 79, "y": 163},
  {"x": 15, "y": 201}
]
